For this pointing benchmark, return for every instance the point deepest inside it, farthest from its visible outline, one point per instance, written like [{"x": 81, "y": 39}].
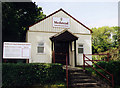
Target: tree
[
  {"x": 103, "y": 38},
  {"x": 119, "y": 43},
  {"x": 115, "y": 37},
  {"x": 17, "y": 17}
]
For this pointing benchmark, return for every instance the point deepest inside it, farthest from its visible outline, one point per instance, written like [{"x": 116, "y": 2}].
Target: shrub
[
  {"x": 113, "y": 67},
  {"x": 31, "y": 74},
  {"x": 101, "y": 63}
]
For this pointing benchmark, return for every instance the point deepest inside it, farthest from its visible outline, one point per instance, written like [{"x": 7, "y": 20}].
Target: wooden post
[
  {"x": 4, "y": 60},
  {"x": 27, "y": 60},
  {"x": 75, "y": 53},
  {"x": 53, "y": 56},
  {"x": 53, "y": 53},
  {"x": 107, "y": 56},
  {"x": 83, "y": 62},
  {"x": 112, "y": 81}
]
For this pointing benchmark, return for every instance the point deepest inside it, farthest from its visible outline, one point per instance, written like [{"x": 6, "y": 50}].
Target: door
[{"x": 61, "y": 48}]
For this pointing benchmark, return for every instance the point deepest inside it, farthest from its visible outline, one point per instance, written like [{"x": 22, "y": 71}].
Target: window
[
  {"x": 40, "y": 48},
  {"x": 80, "y": 49}
]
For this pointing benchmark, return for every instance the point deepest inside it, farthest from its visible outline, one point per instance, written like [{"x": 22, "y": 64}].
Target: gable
[{"x": 47, "y": 24}]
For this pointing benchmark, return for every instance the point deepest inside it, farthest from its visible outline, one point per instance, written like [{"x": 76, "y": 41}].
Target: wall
[
  {"x": 34, "y": 39},
  {"x": 86, "y": 41}
]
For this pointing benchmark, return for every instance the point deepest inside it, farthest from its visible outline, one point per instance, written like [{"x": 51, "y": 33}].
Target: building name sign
[
  {"x": 16, "y": 50},
  {"x": 61, "y": 22}
]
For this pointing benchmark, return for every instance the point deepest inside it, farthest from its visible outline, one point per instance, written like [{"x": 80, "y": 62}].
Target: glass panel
[
  {"x": 40, "y": 49},
  {"x": 40, "y": 44},
  {"x": 80, "y": 50},
  {"x": 80, "y": 46}
]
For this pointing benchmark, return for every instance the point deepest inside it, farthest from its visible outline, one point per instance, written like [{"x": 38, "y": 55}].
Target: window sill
[
  {"x": 80, "y": 53},
  {"x": 41, "y": 53}
]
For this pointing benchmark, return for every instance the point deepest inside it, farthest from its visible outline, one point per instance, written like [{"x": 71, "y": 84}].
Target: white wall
[
  {"x": 34, "y": 39},
  {"x": 86, "y": 41}
]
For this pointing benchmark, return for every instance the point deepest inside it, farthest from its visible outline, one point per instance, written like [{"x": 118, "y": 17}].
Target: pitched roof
[
  {"x": 64, "y": 35},
  {"x": 65, "y": 13}
]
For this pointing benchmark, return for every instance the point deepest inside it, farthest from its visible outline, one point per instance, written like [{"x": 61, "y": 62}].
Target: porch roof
[{"x": 64, "y": 35}]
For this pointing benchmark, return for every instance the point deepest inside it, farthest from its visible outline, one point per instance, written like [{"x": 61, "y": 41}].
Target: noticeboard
[{"x": 15, "y": 50}]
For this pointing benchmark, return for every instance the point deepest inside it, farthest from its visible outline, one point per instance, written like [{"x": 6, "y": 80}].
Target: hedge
[
  {"x": 112, "y": 67},
  {"x": 24, "y": 74}
]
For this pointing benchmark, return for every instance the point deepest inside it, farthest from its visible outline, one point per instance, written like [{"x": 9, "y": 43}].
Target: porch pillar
[
  {"x": 75, "y": 53},
  {"x": 53, "y": 53}
]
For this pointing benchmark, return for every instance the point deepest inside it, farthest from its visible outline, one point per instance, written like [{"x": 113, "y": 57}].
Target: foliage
[
  {"x": 31, "y": 74},
  {"x": 17, "y": 17},
  {"x": 99, "y": 57},
  {"x": 104, "y": 38},
  {"x": 112, "y": 67}
]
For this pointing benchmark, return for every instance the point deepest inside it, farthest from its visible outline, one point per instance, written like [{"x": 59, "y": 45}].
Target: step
[
  {"x": 76, "y": 70},
  {"x": 84, "y": 85},
  {"x": 82, "y": 81},
  {"x": 79, "y": 77},
  {"x": 77, "y": 74}
]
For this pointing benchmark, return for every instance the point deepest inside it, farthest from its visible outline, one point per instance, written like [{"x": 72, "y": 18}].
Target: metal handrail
[
  {"x": 66, "y": 64},
  {"x": 67, "y": 70},
  {"x": 112, "y": 81}
]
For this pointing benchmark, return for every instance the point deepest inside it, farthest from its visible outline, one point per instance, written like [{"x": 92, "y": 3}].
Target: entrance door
[{"x": 61, "y": 48}]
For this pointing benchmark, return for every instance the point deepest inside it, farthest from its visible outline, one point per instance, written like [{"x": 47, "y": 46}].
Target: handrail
[
  {"x": 66, "y": 64},
  {"x": 100, "y": 54},
  {"x": 97, "y": 65},
  {"x": 67, "y": 70},
  {"x": 84, "y": 61}
]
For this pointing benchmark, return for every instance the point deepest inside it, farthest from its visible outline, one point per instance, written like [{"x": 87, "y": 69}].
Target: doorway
[
  {"x": 60, "y": 46},
  {"x": 61, "y": 49}
]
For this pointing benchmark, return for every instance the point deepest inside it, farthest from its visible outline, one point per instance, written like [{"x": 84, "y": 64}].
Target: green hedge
[
  {"x": 113, "y": 67},
  {"x": 31, "y": 74}
]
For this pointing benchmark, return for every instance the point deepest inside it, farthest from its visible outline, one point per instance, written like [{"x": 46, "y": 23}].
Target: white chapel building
[{"x": 59, "y": 35}]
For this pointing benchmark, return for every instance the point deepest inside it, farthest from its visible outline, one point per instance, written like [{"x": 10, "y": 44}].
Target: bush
[
  {"x": 101, "y": 63},
  {"x": 31, "y": 74},
  {"x": 112, "y": 67}
]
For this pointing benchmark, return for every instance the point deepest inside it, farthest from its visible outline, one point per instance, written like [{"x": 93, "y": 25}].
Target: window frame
[
  {"x": 41, "y": 46},
  {"x": 81, "y": 47}
]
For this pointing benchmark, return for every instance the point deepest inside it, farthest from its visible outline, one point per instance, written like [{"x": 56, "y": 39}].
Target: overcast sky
[{"x": 92, "y": 14}]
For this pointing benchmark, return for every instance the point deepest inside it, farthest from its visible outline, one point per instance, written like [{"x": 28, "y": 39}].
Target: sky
[{"x": 90, "y": 13}]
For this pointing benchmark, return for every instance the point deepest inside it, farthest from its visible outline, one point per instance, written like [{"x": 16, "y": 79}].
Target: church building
[{"x": 59, "y": 35}]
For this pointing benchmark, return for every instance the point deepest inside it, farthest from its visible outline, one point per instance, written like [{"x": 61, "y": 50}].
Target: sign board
[
  {"x": 61, "y": 22},
  {"x": 15, "y": 50}
]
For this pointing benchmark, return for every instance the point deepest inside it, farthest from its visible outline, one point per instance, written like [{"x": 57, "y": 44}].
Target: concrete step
[
  {"x": 82, "y": 81},
  {"x": 84, "y": 85},
  {"x": 79, "y": 77},
  {"x": 77, "y": 74},
  {"x": 75, "y": 70}
]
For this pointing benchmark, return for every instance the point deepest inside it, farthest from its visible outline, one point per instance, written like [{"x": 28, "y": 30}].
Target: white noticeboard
[
  {"x": 61, "y": 22},
  {"x": 15, "y": 50}
]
